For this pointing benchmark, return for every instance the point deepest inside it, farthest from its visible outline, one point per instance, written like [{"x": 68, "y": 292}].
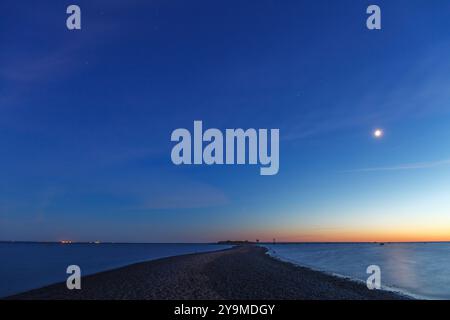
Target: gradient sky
[{"x": 86, "y": 118}]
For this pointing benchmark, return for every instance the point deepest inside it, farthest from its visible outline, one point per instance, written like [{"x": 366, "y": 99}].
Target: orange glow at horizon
[{"x": 345, "y": 235}]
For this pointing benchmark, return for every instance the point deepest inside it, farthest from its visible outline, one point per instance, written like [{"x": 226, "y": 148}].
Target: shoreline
[
  {"x": 238, "y": 273},
  {"x": 404, "y": 294}
]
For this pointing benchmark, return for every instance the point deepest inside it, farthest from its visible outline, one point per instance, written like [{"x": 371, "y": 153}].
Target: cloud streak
[{"x": 406, "y": 166}]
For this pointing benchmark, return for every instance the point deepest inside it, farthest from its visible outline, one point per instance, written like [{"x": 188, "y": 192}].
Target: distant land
[{"x": 235, "y": 242}]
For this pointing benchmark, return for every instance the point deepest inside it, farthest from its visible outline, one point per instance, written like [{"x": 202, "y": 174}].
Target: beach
[{"x": 240, "y": 273}]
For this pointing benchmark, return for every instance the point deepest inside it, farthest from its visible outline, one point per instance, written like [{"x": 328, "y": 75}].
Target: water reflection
[{"x": 420, "y": 269}]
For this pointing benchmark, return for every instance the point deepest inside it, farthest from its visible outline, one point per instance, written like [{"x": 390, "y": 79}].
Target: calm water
[
  {"x": 26, "y": 266},
  {"x": 420, "y": 269}
]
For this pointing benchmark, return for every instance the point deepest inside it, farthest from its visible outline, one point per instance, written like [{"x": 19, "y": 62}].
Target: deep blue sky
[{"x": 86, "y": 118}]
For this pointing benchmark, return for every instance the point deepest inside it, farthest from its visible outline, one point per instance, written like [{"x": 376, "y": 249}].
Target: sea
[
  {"x": 420, "y": 270},
  {"x": 27, "y": 265}
]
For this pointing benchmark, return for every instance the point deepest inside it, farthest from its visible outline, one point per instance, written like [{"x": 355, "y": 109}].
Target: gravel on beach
[{"x": 243, "y": 272}]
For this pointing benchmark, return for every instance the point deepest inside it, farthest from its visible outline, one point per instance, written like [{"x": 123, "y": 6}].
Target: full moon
[{"x": 378, "y": 133}]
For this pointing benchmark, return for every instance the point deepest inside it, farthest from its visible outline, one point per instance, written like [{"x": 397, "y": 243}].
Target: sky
[{"x": 86, "y": 118}]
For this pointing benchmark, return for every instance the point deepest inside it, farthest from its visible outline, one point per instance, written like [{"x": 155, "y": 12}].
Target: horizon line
[{"x": 215, "y": 242}]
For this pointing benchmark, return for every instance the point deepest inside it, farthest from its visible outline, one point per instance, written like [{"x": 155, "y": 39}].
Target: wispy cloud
[{"x": 406, "y": 166}]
